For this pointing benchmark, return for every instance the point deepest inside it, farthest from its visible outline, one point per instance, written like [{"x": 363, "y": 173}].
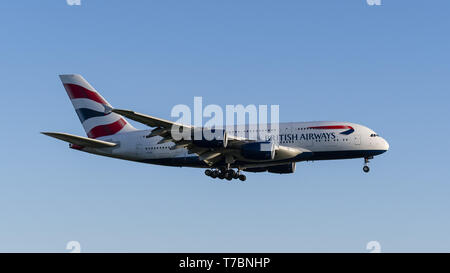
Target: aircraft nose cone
[{"x": 385, "y": 144}]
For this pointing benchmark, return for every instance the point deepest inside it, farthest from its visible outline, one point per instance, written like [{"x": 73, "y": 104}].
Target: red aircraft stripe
[
  {"x": 79, "y": 92},
  {"x": 107, "y": 129},
  {"x": 332, "y": 127}
]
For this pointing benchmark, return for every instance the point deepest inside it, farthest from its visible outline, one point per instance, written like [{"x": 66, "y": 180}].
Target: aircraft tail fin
[{"x": 92, "y": 109}]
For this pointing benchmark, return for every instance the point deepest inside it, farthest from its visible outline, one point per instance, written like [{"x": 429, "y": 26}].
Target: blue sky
[{"x": 386, "y": 67}]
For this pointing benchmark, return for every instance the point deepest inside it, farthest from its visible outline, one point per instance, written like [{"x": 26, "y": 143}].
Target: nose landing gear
[
  {"x": 227, "y": 174},
  {"x": 366, "y": 168}
]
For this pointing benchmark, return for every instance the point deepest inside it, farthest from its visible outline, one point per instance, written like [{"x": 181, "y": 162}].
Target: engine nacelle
[
  {"x": 264, "y": 150},
  {"x": 286, "y": 168},
  {"x": 256, "y": 169},
  {"x": 213, "y": 138}
]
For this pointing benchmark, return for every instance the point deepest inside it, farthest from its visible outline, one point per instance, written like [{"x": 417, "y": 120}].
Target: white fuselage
[{"x": 324, "y": 139}]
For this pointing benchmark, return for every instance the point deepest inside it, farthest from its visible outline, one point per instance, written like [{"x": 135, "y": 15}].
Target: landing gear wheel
[
  {"x": 242, "y": 177},
  {"x": 229, "y": 174},
  {"x": 214, "y": 174},
  {"x": 208, "y": 172},
  {"x": 366, "y": 169},
  {"x": 221, "y": 175}
]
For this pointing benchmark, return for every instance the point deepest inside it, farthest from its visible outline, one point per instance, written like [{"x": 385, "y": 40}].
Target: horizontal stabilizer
[{"x": 81, "y": 141}]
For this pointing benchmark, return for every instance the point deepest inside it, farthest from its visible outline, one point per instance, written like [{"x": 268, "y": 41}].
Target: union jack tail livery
[{"x": 92, "y": 109}]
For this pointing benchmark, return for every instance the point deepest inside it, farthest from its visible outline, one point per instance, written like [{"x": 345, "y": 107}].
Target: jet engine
[
  {"x": 213, "y": 138},
  {"x": 264, "y": 150},
  {"x": 285, "y": 168}
]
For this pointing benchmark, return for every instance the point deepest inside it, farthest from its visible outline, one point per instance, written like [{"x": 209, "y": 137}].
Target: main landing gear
[
  {"x": 227, "y": 174},
  {"x": 366, "y": 168}
]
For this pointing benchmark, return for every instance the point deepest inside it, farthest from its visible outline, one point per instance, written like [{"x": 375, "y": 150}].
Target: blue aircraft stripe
[
  {"x": 348, "y": 132},
  {"x": 86, "y": 113}
]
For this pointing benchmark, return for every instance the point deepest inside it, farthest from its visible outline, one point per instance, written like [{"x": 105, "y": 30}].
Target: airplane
[{"x": 110, "y": 134}]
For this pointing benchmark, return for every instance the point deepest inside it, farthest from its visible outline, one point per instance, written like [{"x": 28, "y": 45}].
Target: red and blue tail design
[
  {"x": 336, "y": 127},
  {"x": 92, "y": 108}
]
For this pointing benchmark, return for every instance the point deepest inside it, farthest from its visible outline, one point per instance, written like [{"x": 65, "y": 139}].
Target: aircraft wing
[
  {"x": 147, "y": 120},
  {"x": 209, "y": 155},
  {"x": 163, "y": 129}
]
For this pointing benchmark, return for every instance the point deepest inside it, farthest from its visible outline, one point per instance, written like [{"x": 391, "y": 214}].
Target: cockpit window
[{"x": 373, "y": 135}]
